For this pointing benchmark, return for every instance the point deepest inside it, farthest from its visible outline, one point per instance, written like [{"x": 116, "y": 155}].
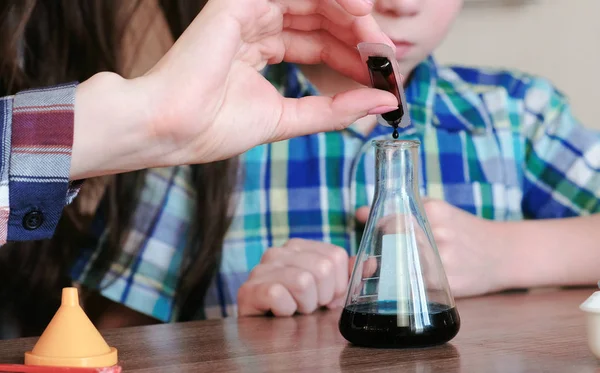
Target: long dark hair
[{"x": 46, "y": 42}]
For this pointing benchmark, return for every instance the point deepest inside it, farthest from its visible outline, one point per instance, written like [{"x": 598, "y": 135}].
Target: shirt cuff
[{"x": 40, "y": 161}]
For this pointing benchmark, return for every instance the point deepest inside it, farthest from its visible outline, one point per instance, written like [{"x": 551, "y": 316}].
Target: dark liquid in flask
[{"x": 376, "y": 325}]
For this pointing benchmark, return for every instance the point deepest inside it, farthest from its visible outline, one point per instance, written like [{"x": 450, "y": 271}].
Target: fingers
[
  {"x": 315, "y": 47},
  {"x": 352, "y": 14},
  {"x": 311, "y": 274},
  {"x": 304, "y": 264},
  {"x": 301, "y": 284},
  {"x": 362, "y": 214},
  {"x": 315, "y": 38},
  {"x": 316, "y": 22},
  {"x": 328, "y": 31},
  {"x": 356, "y": 7},
  {"x": 257, "y": 298},
  {"x": 342, "y": 10},
  {"x": 314, "y": 114},
  {"x": 351, "y": 33},
  {"x": 321, "y": 47},
  {"x": 335, "y": 256},
  {"x": 337, "y": 303},
  {"x": 369, "y": 266}
]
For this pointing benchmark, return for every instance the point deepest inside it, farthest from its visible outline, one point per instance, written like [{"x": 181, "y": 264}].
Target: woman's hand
[
  {"x": 206, "y": 99},
  {"x": 215, "y": 102}
]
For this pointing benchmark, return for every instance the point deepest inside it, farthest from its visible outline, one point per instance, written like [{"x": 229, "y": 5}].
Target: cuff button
[{"x": 33, "y": 220}]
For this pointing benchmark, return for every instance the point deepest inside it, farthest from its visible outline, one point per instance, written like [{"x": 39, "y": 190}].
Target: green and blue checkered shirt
[{"x": 499, "y": 144}]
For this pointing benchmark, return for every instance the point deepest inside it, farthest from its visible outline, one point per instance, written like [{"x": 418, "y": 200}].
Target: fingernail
[
  {"x": 382, "y": 110},
  {"x": 369, "y": 2}
]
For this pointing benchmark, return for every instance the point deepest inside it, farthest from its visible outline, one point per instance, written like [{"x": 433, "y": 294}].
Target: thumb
[
  {"x": 312, "y": 114},
  {"x": 362, "y": 214}
]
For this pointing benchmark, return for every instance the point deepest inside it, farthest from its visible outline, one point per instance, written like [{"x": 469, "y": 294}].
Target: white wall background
[{"x": 558, "y": 39}]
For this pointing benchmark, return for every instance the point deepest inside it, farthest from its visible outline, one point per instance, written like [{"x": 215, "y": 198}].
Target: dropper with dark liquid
[{"x": 382, "y": 77}]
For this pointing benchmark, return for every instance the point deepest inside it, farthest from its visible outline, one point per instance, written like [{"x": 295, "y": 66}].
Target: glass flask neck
[{"x": 396, "y": 162}]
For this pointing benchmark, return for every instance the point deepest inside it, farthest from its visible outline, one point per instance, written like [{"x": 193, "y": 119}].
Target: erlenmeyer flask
[{"x": 399, "y": 294}]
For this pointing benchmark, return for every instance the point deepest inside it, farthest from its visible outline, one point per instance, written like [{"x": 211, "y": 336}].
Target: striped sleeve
[
  {"x": 6, "y": 123},
  {"x": 562, "y": 158},
  {"x": 41, "y": 140}
]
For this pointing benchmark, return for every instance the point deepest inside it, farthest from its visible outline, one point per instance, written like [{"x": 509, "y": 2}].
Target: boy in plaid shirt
[{"x": 511, "y": 177}]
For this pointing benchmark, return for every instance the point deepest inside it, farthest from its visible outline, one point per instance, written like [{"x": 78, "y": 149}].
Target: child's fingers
[
  {"x": 299, "y": 283},
  {"x": 303, "y": 262},
  {"x": 369, "y": 266},
  {"x": 337, "y": 303},
  {"x": 362, "y": 214},
  {"x": 339, "y": 261},
  {"x": 257, "y": 298}
]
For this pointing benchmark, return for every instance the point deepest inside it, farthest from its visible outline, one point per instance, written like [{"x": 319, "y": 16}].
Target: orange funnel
[{"x": 71, "y": 339}]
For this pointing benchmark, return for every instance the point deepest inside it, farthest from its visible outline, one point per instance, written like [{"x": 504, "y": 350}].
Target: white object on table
[{"x": 592, "y": 308}]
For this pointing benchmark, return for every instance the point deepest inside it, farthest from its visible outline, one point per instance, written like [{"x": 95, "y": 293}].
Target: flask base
[{"x": 369, "y": 325}]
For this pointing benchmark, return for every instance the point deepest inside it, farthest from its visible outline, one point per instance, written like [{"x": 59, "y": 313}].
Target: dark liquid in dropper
[
  {"x": 395, "y": 134},
  {"x": 376, "y": 325}
]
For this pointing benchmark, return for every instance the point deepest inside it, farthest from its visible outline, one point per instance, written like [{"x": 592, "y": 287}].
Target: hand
[
  {"x": 300, "y": 276},
  {"x": 471, "y": 248},
  {"x": 217, "y": 104},
  {"x": 206, "y": 100}
]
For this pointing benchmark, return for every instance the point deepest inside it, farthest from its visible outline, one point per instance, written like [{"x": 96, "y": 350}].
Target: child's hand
[
  {"x": 300, "y": 276},
  {"x": 471, "y": 248}
]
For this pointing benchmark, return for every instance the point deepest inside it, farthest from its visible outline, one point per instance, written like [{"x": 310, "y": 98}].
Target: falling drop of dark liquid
[{"x": 395, "y": 134}]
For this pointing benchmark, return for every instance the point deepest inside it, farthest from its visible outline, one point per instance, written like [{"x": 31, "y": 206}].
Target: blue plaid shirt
[{"x": 499, "y": 144}]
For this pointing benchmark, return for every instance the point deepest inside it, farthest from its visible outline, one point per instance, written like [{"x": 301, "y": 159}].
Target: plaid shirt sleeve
[
  {"x": 562, "y": 158},
  {"x": 36, "y": 142}
]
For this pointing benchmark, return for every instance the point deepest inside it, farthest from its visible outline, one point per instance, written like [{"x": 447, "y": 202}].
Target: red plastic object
[{"x": 17, "y": 368}]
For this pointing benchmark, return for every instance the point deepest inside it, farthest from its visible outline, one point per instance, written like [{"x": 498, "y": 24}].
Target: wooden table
[{"x": 539, "y": 332}]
